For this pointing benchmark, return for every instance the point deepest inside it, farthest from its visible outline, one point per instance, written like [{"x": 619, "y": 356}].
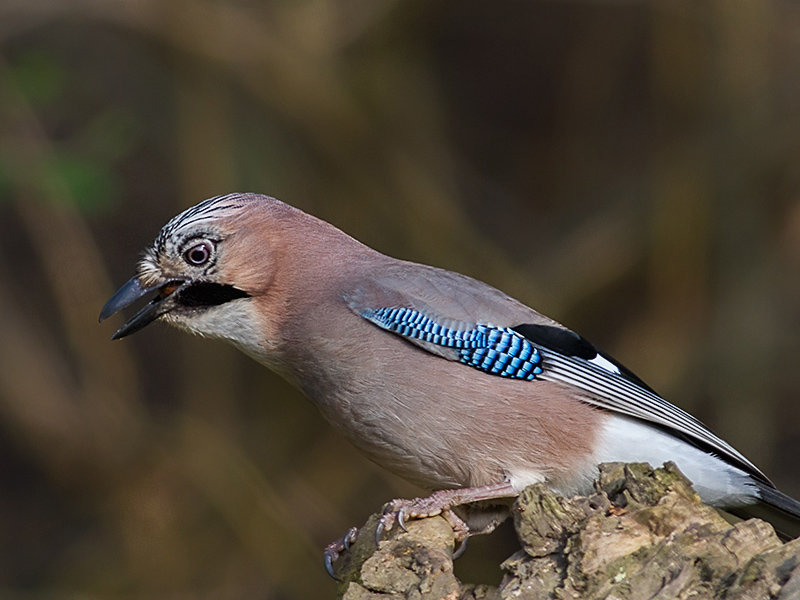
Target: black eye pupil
[{"x": 198, "y": 255}]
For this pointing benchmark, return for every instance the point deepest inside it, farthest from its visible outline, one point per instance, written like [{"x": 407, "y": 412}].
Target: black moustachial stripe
[{"x": 206, "y": 293}]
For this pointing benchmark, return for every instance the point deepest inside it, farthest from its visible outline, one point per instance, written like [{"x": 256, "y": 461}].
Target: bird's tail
[{"x": 775, "y": 507}]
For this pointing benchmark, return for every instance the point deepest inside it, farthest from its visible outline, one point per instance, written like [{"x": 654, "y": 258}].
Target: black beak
[{"x": 133, "y": 291}]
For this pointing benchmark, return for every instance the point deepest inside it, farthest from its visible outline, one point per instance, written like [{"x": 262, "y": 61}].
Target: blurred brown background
[{"x": 630, "y": 168}]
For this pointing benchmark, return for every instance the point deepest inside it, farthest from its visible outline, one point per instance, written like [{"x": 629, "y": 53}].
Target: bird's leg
[
  {"x": 334, "y": 549},
  {"x": 442, "y": 503}
]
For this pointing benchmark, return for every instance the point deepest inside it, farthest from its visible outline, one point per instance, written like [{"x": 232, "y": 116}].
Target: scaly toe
[{"x": 334, "y": 550}]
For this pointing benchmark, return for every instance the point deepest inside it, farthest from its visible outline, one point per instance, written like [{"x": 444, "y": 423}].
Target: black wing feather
[{"x": 567, "y": 342}]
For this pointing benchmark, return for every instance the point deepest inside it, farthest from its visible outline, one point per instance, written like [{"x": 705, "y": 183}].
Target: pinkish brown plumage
[{"x": 440, "y": 378}]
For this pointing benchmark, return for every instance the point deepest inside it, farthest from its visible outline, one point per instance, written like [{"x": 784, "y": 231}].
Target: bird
[{"x": 439, "y": 378}]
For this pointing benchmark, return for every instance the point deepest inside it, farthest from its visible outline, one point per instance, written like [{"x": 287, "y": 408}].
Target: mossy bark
[{"x": 644, "y": 533}]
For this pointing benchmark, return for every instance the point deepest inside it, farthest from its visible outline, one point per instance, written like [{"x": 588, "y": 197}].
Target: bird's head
[{"x": 203, "y": 269}]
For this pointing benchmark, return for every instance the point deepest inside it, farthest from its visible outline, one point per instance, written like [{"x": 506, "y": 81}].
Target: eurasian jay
[{"x": 442, "y": 379}]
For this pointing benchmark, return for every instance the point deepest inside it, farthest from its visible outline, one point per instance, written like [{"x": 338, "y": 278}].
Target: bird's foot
[
  {"x": 441, "y": 503},
  {"x": 438, "y": 503},
  {"x": 400, "y": 510},
  {"x": 335, "y": 549},
  {"x": 397, "y": 511}
]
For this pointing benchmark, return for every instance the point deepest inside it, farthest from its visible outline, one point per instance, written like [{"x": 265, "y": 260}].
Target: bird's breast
[{"x": 439, "y": 423}]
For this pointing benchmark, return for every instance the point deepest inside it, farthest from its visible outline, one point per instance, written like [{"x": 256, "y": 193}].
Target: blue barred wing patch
[{"x": 495, "y": 350}]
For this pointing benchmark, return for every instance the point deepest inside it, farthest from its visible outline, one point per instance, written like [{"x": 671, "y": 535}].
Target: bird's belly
[{"x": 451, "y": 426}]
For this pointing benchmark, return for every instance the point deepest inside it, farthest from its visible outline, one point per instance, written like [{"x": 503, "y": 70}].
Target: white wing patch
[{"x": 606, "y": 364}]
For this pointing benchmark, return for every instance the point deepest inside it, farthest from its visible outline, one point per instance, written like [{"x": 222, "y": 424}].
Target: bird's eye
[{"x": 199, "y": 254}]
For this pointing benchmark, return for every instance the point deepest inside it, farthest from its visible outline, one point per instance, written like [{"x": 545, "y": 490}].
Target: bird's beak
[{"x": 162, "y": 303}]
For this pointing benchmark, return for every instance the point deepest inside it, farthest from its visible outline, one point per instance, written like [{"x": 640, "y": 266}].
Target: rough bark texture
[{"x": 643, "y": 534}]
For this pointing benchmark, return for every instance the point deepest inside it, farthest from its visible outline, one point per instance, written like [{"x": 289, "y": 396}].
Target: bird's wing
[{"x": 465, "y": 320}]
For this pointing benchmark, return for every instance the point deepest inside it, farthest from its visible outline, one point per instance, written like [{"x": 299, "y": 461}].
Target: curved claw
[
  {"x": 329, "y": 556},
  {"x": 400, "y": 516},
  {"x": 350, "y": 537},
  {"x": 461, "y": 549},
  {"x": 379, "y": 531},
  {"x": 334, "y": 550}
]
